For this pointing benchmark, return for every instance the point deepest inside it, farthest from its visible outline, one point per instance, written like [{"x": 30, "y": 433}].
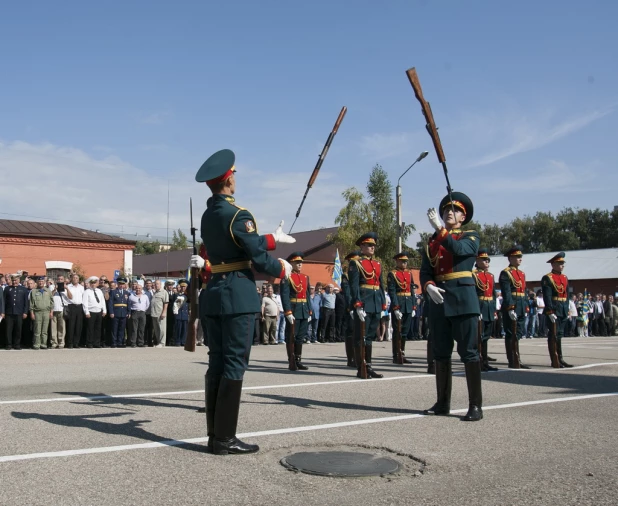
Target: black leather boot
[
  {"x": 226, "y": 420},
  {"x": 357, "y": 359},
  {"x": 485, "y": 367},
  {"x": 563, "y": 364},
  {"x": 370, "y": 372},
  {"x": 444, "y": 383},
  {"x": 475, "y": 395},
  {"x": 298, "y": 352},
  {"x": 211, "y": 392}
]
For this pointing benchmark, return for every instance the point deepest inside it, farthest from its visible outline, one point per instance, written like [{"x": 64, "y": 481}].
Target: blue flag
[{"x": 337, "y": 272}]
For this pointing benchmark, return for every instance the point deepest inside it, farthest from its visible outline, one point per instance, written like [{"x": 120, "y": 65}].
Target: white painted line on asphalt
[
  {"x": 267, "y": 387},
  {"x": 275, "y": 432}
]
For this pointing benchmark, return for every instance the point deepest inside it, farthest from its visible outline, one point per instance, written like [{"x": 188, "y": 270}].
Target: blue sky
[{"x": 106, "y": 101}]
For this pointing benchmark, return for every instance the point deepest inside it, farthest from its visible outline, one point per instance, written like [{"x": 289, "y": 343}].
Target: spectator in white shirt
[
  {"x": 75, "y": 293},
  {"x": 93, "y": 302},
  {"x": 58, "y": 324}
]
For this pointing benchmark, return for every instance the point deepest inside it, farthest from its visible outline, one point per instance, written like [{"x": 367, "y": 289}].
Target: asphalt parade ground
[{"x": 120, "y": 426}]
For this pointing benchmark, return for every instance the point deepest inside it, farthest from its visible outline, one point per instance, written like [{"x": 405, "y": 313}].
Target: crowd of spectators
[{"x": 40, "y": 313}]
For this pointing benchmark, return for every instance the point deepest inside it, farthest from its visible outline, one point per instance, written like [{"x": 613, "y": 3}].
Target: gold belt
[
  {"x": 486, "y": 298},
  {"x": 559, "y": 299},
  {"x": 404, "y": 294},
  {"x": 454, "y": 275},
  {"x": 298, "y": 300},
  {"x": 120, "y": 305},
  {"x": 234, "y": 266},
  {"x": 370, "y": 287},
  {"x": 518, "y": 294}
]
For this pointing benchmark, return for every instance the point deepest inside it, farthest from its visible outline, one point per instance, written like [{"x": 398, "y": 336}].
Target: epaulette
[{"x": 230, "y": 200}]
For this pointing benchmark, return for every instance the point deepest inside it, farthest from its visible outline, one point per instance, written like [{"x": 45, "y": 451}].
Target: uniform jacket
[
  {"x": 513, "y": 286},
  {"x": 366, "y": 286},
  {"x": 556, "y": 294},
  {"x": 16, "y": 300},
  {"x": 447, "y": 262},
  {"x": 295, "y": 296},
  {"x": 41, "y": 301},
  {"x": 230, "y": 235},
  {"x": 399, "y": 285},
  {"x": 118, "y": 304},
  {"x": 183, "y": 310},
  {"x": 486, "y": 293}
]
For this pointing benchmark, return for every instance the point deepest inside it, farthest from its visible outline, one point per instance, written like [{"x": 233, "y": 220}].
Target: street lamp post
[{"x": 398, "y": 202}]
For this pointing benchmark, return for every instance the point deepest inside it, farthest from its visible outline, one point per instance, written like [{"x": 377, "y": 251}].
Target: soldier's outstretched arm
[{"x": 244, "y": 233}]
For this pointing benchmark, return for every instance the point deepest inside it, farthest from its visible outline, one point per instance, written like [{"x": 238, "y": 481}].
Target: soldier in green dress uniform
[
  {"x": 446, "y": 276},
  {"x": 295, "y": 301},
  {"x": 555, "y": 286},
  {"x": 399, "y": 284},
  {"x": 514, "y": 301},
  {"x": 487, "y": 301},
  {"x": 233, "y": 247},
  {"x": 367, "y": 292},
  {"x": 349, "y": 310}
]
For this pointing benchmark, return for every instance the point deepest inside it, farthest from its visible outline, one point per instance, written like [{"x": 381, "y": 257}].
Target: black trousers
[
  {"x": 340, "y": 325},
  {"x": 74, "y": 330},
  {"x": 93, "y": 338},
  {"x": 13, "y": 330},
  {"x": 138, "y": 324},
  {"x": 445, "y": 331},
  {"x": 598, "y": 327},
  {"x": 327, "y": 324},
  {"x": 148, "y": 330}
]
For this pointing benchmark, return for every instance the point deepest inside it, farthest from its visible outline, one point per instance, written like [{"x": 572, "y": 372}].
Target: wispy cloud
[
  {"x": 380, "y": 146},
  {"x": 510, "y": 134},
  {"x": 154, "y": 118}
]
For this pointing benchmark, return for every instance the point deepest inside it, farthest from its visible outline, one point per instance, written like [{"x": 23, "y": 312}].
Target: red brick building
[{"x": 51, "y": 249}]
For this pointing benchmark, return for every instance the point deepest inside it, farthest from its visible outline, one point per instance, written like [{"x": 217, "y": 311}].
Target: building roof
[
  {"x": 580, "y": 264},
  {"x": 43, "y": 230},
  {"x": 313, "y": 243}
]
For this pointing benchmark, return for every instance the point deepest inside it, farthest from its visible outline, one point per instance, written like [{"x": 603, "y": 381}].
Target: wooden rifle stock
[
  {"x": 363, "y": 362},
  {"x": 318, "y": 165},
  {"x": 193, "y": 294},
  {"x": 480, "y": 343},
  {"x": 290, "y": 345},
  {"x": 398, "y": 353}
]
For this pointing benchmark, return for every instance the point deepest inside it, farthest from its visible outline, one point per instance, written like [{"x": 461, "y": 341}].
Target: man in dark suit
[
  {"x": 446, "y": 276},
  {"x": 233, "y": 247},
  {"x": 16, "y": 308}
]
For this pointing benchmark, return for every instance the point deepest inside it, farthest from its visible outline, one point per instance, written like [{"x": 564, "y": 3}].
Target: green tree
[
  {"x": 147, "y": 247},
  {"x": 179, "y": 241},
  {"x": 374, "y": 213}
]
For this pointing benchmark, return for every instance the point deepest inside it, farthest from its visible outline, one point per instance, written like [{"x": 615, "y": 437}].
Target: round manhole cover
[{"x": 342, "y": 464}]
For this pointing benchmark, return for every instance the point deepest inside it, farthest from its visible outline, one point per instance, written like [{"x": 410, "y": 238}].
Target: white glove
[
  {"x": 397, "y": 314},
  {"x": 178, "y": 303},
  {"x": 287, "y": 266},
  {"x": 413, "y": 314},
  {"x": 361, "y": 313},
  {"x": 553, "y": 318},
  {"x": 197, "y": 261},
  {"x": 434, "y": 219},
  {"x": 480, "y": 317},
  {"x": 290, "y": 318},
  {"x": 351, "y": 314},
  {"x": 281, "y": 237},
  {"x": 512, "y": 315},
  {"x": 308, "y": 319},
  {"x": 435, "y": 293}
]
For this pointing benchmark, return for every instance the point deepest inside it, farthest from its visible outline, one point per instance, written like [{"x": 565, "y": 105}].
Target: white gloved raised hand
[
  {"x": 197, "y": 262},
  {"x": 435, "y": 293},
  {"x": 287, "y": 266},
  {"x": 553, "y": 318},
  {"x": 361, "y": 313},
  {"x": 434, "y": 219},
  {"x": 281, "y": 237},
  {"x": 290, "y": 318},
  {"x": 413, "y": 314},
  {"x": 397, "y": 314},
  {"x": 512, "y": 315}
]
